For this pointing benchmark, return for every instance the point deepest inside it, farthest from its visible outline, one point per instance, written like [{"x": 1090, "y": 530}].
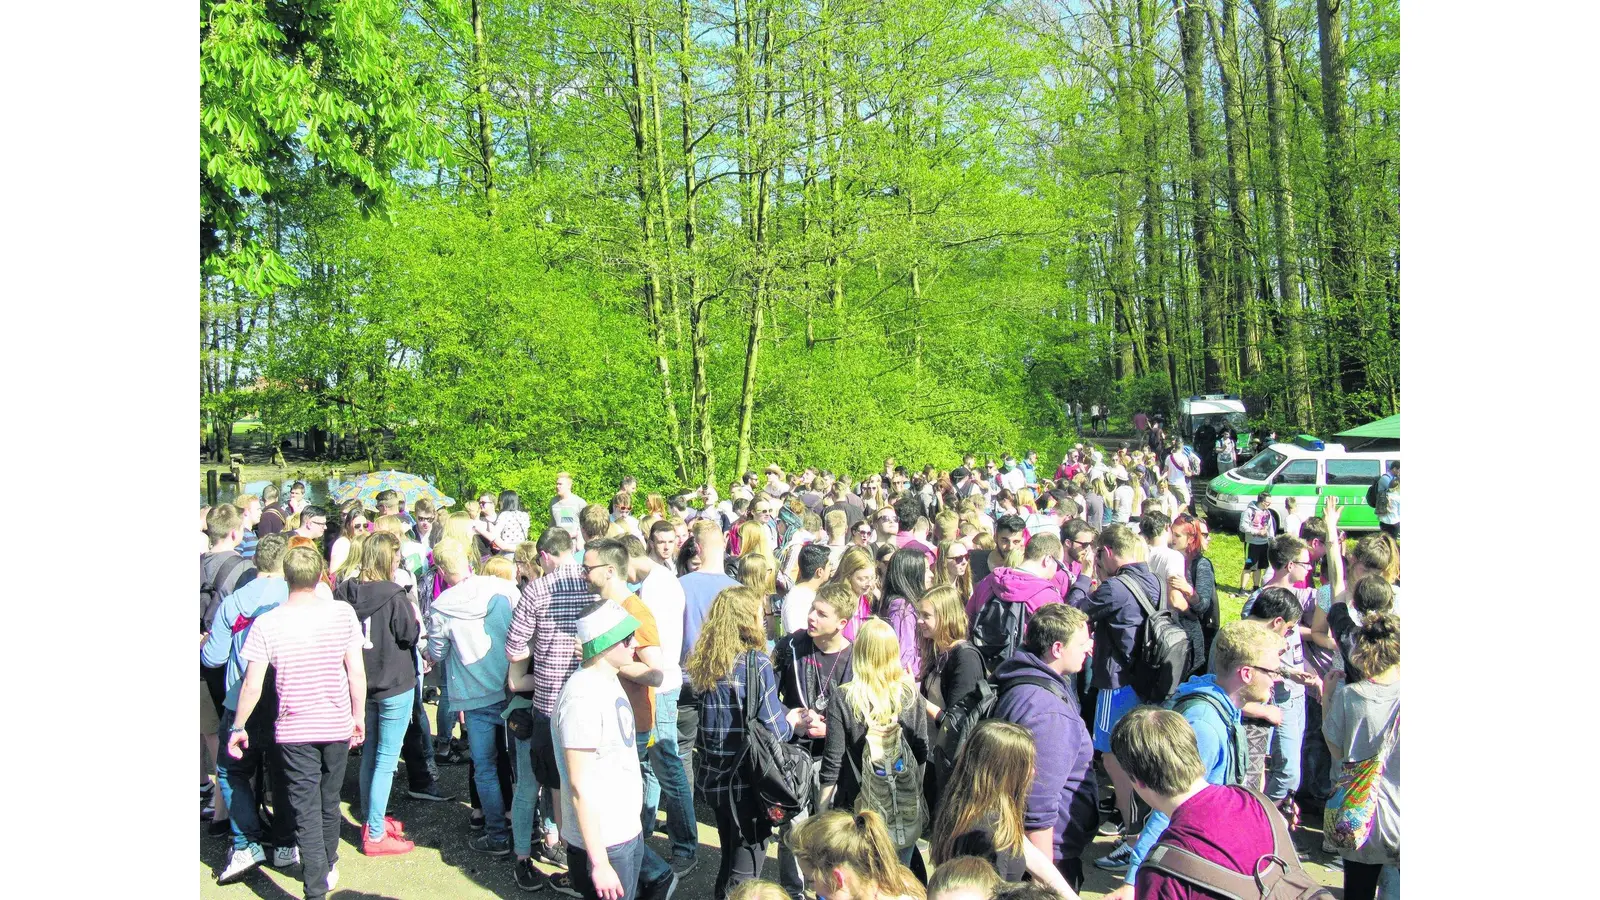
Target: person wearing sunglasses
[
  {"x": 1280, "y": 608},
  {"x": 1247, "y": 663}
]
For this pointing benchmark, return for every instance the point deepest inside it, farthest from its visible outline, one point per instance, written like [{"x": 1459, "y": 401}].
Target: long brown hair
[
  {"x": 951, "y": 625},
  {"x": 732, "y": 628},
  {"x": 963, "y": 584},
  {"x": 992, "y": 775},
  {"x": 856, "y": 842}
]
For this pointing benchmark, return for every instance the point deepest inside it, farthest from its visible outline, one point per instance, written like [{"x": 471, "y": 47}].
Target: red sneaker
[
  {"x": 391, "y": 845},
  {"x": 394, "y": 826}
]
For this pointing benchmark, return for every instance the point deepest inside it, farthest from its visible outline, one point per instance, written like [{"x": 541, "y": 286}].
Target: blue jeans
[
  {"x": 239, "y": 794},
  {"x": 386, "y": 729},
  {"x": 625, "y": 860},
  {"x": 525, "y": 800},
  {"x": 481, "y": 737},
  {"x": 668, "y": 772},
  {"x": 1283, "y": 754},
  {"x": 652, "y": 868}
]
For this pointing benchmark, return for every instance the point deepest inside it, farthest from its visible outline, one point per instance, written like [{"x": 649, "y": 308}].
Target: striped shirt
[
  {"x": 306, "y": 645},
  {"x": 545, "y": 626}
]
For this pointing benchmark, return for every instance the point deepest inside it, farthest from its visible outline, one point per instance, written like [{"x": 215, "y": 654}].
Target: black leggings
[
  {"x": 1361, "y": 880},
  {"x": 741, "y": 862}
]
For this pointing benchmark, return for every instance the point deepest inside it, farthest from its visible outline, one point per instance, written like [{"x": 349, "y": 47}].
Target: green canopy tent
[{"x": 1383, "y": 434}]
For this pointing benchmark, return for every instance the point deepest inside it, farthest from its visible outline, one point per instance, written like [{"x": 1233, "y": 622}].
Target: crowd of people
[{"x": 964, "y": 657}]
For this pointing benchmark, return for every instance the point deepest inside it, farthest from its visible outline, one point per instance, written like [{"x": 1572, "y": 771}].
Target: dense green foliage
[{"x": 682, "y": 238}]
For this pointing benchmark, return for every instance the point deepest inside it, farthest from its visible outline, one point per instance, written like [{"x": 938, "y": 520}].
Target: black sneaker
[
  {"x": 1110, "y": 826},
  {"x": 431, "y": 792},
  {"x": 661, "y": 889},
  {"x": 527, "y": 877},
  {"x": 561, "y": 883},
  {"x": 554, "y": 855},
  {"x": 484, "y": 843},
  {"x": 475, "y": 823}
]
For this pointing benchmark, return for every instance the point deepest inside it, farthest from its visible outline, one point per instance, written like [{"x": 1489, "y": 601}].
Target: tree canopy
[{"x": 679, "y": 238}]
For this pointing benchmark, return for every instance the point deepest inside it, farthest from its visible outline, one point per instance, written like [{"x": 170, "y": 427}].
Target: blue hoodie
[
  {"x": 1064, "y": 788},
  {"x": 469, "y": 623},
  {"x": 1216, "y": 742}
]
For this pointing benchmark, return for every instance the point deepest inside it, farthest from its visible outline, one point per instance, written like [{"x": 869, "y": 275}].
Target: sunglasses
[
  {"x": 864, "y": 532},
  {"x": 958, "y": 560},
  {"x": 1276, "y": 674}
]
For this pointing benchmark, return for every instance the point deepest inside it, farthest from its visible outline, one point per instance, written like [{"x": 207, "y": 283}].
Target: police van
[{"x": 1306, "y": 469}]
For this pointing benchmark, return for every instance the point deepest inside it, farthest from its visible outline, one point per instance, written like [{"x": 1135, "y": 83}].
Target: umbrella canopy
[{"x": 410, "y": 487}]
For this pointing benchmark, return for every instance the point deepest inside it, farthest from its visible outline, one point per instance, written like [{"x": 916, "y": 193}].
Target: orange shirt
[{"x": 642, "y": 697}]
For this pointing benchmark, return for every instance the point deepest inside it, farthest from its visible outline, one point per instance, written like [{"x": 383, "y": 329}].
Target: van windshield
[{"x": 1261, "y": 466}]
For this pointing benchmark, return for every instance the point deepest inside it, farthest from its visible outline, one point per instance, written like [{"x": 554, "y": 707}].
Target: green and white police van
[{"x": 1308, "y": 470}]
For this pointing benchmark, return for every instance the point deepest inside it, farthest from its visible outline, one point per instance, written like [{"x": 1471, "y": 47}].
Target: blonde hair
[
  {"x": 350, "y": 566},
  {"x": 877, "y": 689},
  {"x": 992, "y": 774},
  {"x": 758, "y": 890},
  {"x": 500, "y": 567},
  {"x": 731, "y": 628},
  {"x": 528, "y": 555},
  {"x": 657, "y": 505},
  {"x": 1239, "y": 643},
  {"x": 838, "y": 598},
  {"x": 860, "y": 845},
  {"x": 390, "y": 525},
  {"x": 753, "y": 540},
  {"x": 377, "y": 556},
  {"x": 963, "y": 584},
  {"x": 303, "y": 566},
  {"x": 963, "y": 873},
  {"x": 451, "y": 557},
  {"x": 951, "y": 621},
  {"x": 852, "y": 561}
]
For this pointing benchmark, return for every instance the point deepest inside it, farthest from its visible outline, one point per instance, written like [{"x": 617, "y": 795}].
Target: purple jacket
[
  {"x": 1064, "y": 788},
  {"x": 903, "y": 619},
  {"x": 1014, "y": 586}
]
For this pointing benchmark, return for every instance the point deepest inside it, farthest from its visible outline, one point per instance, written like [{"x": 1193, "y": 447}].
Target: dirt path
[{"x": 443, "y": 866}]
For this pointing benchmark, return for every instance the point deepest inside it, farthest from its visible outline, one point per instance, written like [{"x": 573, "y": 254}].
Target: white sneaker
[
  {"x": 333, "y": 879},
  {"x": 284, "y": 857},
  {"x": 239, "y": 863}
]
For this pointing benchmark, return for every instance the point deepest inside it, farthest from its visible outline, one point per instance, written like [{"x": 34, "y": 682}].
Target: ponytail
[
  {"x": 1377, "y": 644},
  {"x": 858, "y": 842}
]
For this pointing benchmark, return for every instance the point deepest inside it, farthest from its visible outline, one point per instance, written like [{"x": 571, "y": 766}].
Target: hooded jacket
[
  {"x": 1014, "y": 586},
  {"x": 391, "y": 630},
  {"x": 1064, "y": 787},
  {"x": 1114, "y": 616},
  {"x": 468, "y": 623}
]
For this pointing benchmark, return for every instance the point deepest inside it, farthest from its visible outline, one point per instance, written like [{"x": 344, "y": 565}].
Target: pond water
[{"x": 317, "y": 489}]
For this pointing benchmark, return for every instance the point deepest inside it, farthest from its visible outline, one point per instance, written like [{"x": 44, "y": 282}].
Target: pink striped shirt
[{"x": 306, "y": 646}]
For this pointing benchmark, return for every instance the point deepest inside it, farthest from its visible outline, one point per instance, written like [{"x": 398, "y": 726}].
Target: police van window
[
  {"x": 1261, "y": 466},
  {"x": 1352, "y": 471},
  {"x": 1301, "y": 471}
]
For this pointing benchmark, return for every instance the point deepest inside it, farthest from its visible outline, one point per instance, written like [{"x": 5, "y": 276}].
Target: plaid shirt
[
  {"x": 545, "y": 626},
  {"x": 722, "y": 729}
]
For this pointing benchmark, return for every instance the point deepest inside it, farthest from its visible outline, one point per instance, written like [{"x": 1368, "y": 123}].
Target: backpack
[
  {"x": 1238, "y": 749},
  {"x": 1276, "y": 876},
  {"x": 894, "y": 792},
  {"x": 1160, "y": 659},
  {"x": 211, "y": 591},
  {"x": 997, "y": 631},
  {"x": 1378, "y": 498},
  {"x": 777, "y": 772},
  {"x": 961, "y": 718}
]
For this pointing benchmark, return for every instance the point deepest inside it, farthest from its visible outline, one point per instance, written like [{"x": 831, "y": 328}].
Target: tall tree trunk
[
  {"x": 1155, "y": 263},
  {"x": 1191, "y": 26},
  {"x": 1226, "y": 43},
  {"x": 754, "y": 138},
  {"x": 1340, "y": 262},
  {"x": 643, "y": 137},
  {"x": 480, "y": 77},
  {"x": 1286, "y": 247},
  {"x": 698, "y": 337}
]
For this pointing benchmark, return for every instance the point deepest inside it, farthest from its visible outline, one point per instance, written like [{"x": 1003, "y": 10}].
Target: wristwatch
[{"x": 236, "y": 729}]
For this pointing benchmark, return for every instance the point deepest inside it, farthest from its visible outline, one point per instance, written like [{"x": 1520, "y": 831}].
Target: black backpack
[
  {"x": 997, "y": 631},
  {"x": 1378, "y": 498},
  {"x": 961, "y": 718},
  {"x": 211, "y": 591},
  {"x": 778, "y": 772},
  {"x": 1160, "y": 660}
]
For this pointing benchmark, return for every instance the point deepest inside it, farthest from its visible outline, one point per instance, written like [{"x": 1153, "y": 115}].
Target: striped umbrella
[{"x": 410, "y": 487}]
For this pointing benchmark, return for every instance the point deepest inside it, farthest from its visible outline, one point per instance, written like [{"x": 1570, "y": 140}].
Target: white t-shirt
[
  {"x": 592, "y": 713},
  {"x": 1013, "y": 480},
  {"x": 1122, "y": 504},
  {"x": 1164, "y": 562},
  {"x": 564, "y": 514},
  {"x": 1177, "y": 474},
  {"x": 1392, "y": 517},
  {"x": 1292, "y": 522},
  {"x": 663, "y": 596},
  {"x": 796, "y": 606}
]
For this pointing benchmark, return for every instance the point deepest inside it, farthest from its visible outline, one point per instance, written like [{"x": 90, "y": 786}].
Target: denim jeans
[
  {"x": 674, "y": 790},
  {"x": 483, "y": 738},
  {"x": 422, "y": 772},
  {"x": 1283, "y": 755},
  {"x": 652, "y": 868},
  {"x": 386, "y": 729},
  {"x": 625, "y": 860},
  {"x": 240, "y": 795},
  {"x": 525, "y": 795},
  {"x": 688, "y": 733}
]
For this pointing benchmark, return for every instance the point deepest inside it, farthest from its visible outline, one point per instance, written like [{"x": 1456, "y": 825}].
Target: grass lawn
[{"x": 1226, "y": 552}]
